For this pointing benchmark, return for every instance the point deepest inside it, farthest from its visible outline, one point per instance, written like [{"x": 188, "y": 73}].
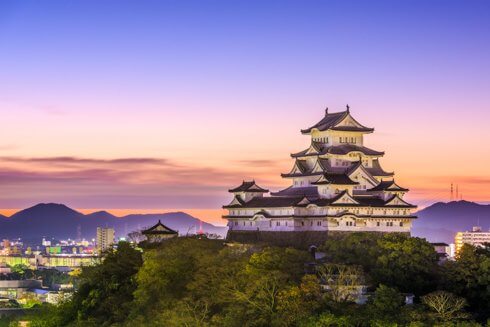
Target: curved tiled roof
[
  {"x": 309, "y": 192},
  {"x": 248, "y": 187},
  {"x": 269, "y": 202},
  {"x": 348, "y": 148},
  {"x": 340, "y": 149},
  {"x": 388, "y": 186},
  {"x": 293, "y": 197},
  {"x": 331, "y": 120},
  {"x": 337, "y": 179},
  {"x": 154, "y": 230},
  {"x": 376, "y": 170},
  {"x": 327, "y": 122}
]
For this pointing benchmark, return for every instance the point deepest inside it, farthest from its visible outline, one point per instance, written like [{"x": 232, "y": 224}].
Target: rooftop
[
  {"x": 331, "y": 120},
  {"x": 250, "y": 186}
]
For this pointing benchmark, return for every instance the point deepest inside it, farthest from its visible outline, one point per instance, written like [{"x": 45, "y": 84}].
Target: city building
[
  {"x": 39, "y": 261},
  {"x": 105, "y": 238},
  {"x": 337, "y": 185},
  {"x": 159, "y": 232},
  {"x": 475, "y": 237}
]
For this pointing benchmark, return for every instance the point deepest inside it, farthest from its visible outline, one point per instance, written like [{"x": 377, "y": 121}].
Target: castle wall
[{"x": 296, "y": 239}]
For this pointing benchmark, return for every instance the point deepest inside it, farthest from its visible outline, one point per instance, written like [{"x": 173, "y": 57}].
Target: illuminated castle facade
[{"x": 337, "y": 185}]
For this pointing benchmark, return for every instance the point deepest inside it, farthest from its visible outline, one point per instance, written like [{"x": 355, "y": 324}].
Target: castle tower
[{"x": 337, "y": 185}]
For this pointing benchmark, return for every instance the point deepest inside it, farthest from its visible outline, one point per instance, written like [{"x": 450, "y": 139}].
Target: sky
[{"x": 154, "y": 106}]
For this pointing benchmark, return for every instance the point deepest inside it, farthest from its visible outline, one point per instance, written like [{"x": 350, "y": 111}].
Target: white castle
[{"x": 338, "y": 185}]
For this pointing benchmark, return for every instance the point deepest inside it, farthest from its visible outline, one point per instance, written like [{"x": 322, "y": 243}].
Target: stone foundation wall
[{"x": 297, "y": 239}]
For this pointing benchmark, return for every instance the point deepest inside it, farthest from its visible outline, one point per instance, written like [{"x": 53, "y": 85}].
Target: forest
[{"x": 200, "y": 282}]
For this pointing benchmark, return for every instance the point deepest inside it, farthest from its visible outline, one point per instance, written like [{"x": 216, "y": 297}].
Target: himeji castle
[{"x": 337, "y": 186}]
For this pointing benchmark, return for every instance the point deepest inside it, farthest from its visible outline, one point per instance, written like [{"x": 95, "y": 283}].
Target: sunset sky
[{"x": 164, "y": 105}]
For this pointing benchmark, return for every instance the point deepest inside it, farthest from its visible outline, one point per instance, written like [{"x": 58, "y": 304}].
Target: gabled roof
[
  {"x": 344, "y": 195},
  {"x": 351, "y": 170},
  {"x": 248, "y": 187},
  {"x": 331, "y": 120},
  {"x": 388, "y": 186},
  {"x": 158, "y": 228},
  {"x": 236, "y": 202},
  {"x": 337, "y": 179},
  {"x": 301, "y": 165},
  {"x": 396, "y": 201},
  {"x": 321, "y": 165}
]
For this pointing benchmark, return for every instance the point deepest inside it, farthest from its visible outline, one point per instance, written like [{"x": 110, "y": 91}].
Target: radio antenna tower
[
  {"x": 452, "y": 192},
  {"x": 200, "y": 232}
]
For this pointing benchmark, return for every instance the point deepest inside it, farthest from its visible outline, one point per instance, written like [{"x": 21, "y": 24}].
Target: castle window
[
  {"x": 318, "y": 223},
  {"x": 302, "y": 223},
  {"x": 401, "y": 224},
  {"x": 278, "y": 223},
  {"x": 243, "y": 223},
  {"x": 378, "y": 223}
]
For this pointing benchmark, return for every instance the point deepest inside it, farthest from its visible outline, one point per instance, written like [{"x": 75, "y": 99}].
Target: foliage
[
  {"x": 387, "y": 300},
  {"x": 446, "y": 305},
  {"x": 203, "y": 282},
  {"x": 407, "y": 263},
  {"x": 104, "y": 296},
  {"x": 344, "y": 283},
  {"x": 469, "y": 277}
]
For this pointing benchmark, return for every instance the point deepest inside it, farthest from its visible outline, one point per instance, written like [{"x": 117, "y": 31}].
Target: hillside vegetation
[{"x": 192, "y": 282}]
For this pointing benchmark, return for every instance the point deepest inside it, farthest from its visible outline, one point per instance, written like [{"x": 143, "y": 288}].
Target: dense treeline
[{"x": 192, "y": 282}]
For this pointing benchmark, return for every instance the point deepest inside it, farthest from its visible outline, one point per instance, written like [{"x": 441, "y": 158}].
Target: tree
[
  {"x": 406, "y": 263},
  {"x": 447, "y": 306},
  {"x": 344, "y": 283},
  {"x": 299, "y": 302},
  {"x": 469, "y": 277},
  {"x": 396, "y": 260},
  {"x": 106, "y": 290},
  {"x": 328, "y": 319},
  {"x": 387, "y": 300}
]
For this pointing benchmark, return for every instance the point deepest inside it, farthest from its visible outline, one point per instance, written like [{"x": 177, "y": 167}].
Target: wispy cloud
[{"x": 121, "y": 182}]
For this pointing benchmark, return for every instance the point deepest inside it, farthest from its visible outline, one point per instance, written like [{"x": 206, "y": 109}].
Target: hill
[
  {"x": 441, "y": 221},
  {"x": 62, "y": 222}
]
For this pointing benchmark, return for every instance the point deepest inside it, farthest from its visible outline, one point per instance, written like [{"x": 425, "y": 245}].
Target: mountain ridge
[
  {"x": 442, "y": 220},
  {"x": 59, "y": 221}
]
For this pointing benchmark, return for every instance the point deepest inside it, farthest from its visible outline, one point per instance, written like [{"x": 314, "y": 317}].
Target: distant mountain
[
  {"x": 61, "y": 222},
  {"x": 441, "y": 221}
]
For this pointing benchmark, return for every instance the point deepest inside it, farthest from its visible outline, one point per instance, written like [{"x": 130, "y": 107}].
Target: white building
[
  {"x": 105, "y": 238},
  {"x": 337, "y": 185},
  {"x": 476, "y": 237}
]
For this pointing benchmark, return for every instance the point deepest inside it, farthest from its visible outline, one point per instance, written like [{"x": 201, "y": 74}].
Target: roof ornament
[
  {"x": 326, "y": 111},
  {"x": 348, "y": 108}
]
